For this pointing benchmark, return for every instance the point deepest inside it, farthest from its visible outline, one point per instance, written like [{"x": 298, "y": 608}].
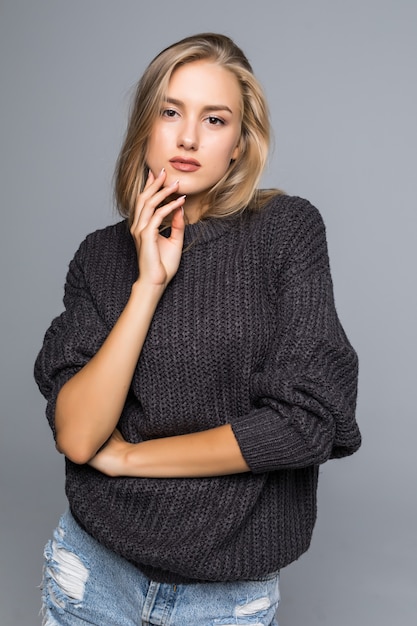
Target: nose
[{"x": 188, "y": 135}]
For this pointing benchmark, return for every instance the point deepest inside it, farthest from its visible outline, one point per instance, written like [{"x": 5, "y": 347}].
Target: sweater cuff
[{"x": 269, "y": 442}]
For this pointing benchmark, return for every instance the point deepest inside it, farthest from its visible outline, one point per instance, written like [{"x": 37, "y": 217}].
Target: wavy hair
[{"x": 237, "y": 189}]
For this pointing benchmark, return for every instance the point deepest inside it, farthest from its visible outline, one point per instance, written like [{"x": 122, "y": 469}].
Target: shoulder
[
  {"x": 104, "y": 253},
  {"x": 105, "y": 244},
  {"x": 285, "y": 222},
  {"x": 287, "y": 214},
  {"x": 290, "y": 236},
  {"x": 108, "y": 236},
  {"x": 104, "y": 267}
]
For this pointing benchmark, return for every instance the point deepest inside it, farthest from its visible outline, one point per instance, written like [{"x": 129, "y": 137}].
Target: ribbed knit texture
[{"x": 247, "y": 334}]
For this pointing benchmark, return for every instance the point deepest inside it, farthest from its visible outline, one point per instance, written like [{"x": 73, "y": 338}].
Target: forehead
[{"x": 205, "y": 81}]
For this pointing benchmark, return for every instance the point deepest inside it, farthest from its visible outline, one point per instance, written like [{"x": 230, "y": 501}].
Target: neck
[
  {"x": 194, "y": 209},
  {"x": 192, "y": 216}
]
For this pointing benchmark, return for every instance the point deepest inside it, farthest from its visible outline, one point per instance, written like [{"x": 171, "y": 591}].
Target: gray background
[{"x": 341, "y": 81}]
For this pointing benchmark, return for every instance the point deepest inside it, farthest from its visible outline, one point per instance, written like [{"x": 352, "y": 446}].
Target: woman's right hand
[{"x": 158, "y": 256}]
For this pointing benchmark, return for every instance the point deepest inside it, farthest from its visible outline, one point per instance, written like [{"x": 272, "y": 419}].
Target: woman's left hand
[{"x": 110, "y": 459}]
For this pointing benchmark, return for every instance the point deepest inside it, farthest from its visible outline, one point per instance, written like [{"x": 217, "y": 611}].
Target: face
[{"x": 197, "y": 133}]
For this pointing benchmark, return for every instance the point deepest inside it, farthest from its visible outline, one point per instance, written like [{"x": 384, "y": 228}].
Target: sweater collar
[{"x": 208, "y": 229}]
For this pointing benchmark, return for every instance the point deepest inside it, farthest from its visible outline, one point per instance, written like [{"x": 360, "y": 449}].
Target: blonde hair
[{"x": 237, "y": 189}]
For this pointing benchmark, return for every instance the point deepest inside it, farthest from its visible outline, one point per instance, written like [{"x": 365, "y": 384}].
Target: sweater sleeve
[
  {"x": 72, "y": 338},
  {"x": 304, "y": 397}
]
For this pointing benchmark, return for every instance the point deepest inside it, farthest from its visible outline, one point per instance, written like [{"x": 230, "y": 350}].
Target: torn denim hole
[
  {"x": 254, "y": 608},
  {"x": 251, "y": 608},
  {"x": 65, "y": 575}
]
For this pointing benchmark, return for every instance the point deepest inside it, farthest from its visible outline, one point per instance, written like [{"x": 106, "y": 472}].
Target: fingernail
[
  {"x": 162, "y": 171},
  {"x": 175, "y": 183}
]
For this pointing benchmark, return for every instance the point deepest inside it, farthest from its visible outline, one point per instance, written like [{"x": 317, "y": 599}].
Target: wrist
[
  {"x": 118, "y": 463},
  {"x": 122, "y": 463},
  {"x": 145, "y": 289},
  {"x": 131, "y": 461},
  {"x": 146, "y": 295}
]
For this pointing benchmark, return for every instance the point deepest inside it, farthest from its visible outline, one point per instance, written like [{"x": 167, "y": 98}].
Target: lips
[{"x": 185, "y": 165}]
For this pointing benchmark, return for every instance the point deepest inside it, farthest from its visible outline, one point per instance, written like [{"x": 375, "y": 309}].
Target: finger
[
  {"x": 151, "y": 205},
  {"x": 151, "y": 187},
  {"x": 153, "y": 183},
  {"x": 178, "y": 224},
  {"x": 149, "y": 180},
  {"x": 150, "y": 199},
  {"x": 117, "y": 435},
  {"x": 160, "y": 214}
]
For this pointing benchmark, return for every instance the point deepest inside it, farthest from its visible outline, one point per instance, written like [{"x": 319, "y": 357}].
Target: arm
[
  {"x": 304, "y": 396},
  {"x": 89, "y": 404},
  {"x": 212, "y": 452}
]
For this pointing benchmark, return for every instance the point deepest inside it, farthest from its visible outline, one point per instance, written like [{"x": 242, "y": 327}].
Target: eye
[
  {"x": 215, "y": 121},
  {"x": 168, "y": 113}
]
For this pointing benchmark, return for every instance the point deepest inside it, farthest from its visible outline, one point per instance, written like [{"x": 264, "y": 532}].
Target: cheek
[
  {"x": 225, "y": 155},
  {"x": 229, "y": 149},
  {"x": 154, "y": 153},
  {"x": 158, "y": 140}
]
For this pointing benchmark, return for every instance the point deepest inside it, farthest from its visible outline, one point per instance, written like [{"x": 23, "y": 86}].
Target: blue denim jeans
[{"x": 85, "y": 583}]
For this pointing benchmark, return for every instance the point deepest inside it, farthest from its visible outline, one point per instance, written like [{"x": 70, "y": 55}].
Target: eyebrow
[{"x": 211, "y": 107}]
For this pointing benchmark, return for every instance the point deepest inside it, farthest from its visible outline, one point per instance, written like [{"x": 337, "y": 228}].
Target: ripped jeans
[{"x": 85, "y": 583}]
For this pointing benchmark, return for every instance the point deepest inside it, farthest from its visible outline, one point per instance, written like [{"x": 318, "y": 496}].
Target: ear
[
  {"x": 240, "y": 147},
  {"x": 235, "y": 154}
]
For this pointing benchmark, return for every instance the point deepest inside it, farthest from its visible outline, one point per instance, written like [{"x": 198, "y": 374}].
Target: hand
[
  {"x": 110, "y": 458},
  {"x": 159, "y": 256}
]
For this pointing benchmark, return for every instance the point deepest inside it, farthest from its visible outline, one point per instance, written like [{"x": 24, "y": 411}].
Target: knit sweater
[{"x": 245, "y": 334}]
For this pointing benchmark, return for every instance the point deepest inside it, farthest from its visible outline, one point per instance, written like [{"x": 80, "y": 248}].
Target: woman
[{"x": 199, "y": 374}]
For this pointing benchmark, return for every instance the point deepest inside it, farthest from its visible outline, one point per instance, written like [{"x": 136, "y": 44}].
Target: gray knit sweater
[{"x": 247, "y": 334}]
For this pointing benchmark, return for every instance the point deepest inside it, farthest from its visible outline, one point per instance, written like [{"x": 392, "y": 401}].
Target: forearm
[
  {"x": 90, "y": 403},
  {"x": 212, "y": 452}
]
